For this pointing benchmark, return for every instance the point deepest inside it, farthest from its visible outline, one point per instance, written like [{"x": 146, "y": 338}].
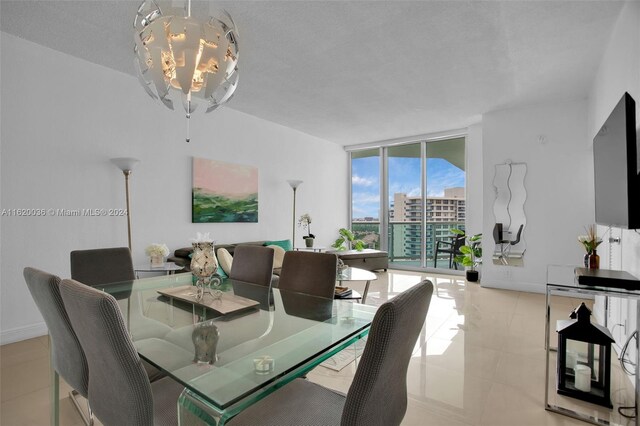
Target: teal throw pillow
[
  {"x": 285, "y": 244},
  {"x": 221, "y": 272}
]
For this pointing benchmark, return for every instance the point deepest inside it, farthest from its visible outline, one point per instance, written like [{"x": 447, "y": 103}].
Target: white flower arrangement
[
  {"x": 156, "y": 249},
  {"x": 203, "y": 237},
  {"x": 305, "y": 222}
]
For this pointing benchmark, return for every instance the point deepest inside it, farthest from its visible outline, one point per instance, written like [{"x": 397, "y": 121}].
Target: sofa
[{"x": 182, "y": 256}]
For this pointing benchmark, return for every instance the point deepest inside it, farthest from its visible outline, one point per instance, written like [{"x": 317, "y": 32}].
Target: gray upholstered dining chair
[
  {"x": 378, "y": 393},
  {"x": 309, "y": 272},
  {"x": 119, "y": 390},
  {"x": 102, "y": 266},
  {"x": 67, "y": 357},
  {"x": 252, "y": 264}
]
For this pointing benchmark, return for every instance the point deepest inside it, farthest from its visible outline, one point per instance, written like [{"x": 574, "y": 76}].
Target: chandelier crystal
[{"x": 180, "y": 59}]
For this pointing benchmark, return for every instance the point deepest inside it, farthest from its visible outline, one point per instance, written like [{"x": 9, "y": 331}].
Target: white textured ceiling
[{"x": 362, "y": 71}]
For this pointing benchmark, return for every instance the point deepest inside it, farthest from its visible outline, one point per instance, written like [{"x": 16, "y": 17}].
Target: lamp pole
[
  {"x": 294, "y": 185},
  {"x": 126, "y": 164}
]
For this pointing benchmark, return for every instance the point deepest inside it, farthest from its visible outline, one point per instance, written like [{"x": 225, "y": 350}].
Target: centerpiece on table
[
  {"x": 305, "y": 222},
  {"x": 203, "y": 262},
  {"x": 591, "y": 241},
  {"x": 157, "y": 253}
]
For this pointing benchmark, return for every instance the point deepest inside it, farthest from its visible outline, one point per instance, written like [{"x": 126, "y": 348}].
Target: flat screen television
[{"x": 617, "y": 174}]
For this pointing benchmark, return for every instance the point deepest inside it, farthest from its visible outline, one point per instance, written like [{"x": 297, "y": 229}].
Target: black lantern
[{"x": 584, "y": 359}]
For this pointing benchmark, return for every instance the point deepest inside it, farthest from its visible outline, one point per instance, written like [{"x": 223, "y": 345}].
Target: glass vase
[
  {"x": 203, "y": 264},
  {"x": 585, "y": 261},
  {"x": 594, "y": 260}
]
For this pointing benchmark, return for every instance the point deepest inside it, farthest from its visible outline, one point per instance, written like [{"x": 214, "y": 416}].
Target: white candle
[
  {"x": 571, "y": 359},
  {"x": 583, "y": 378},
  {"x": 263, "y": 365}
]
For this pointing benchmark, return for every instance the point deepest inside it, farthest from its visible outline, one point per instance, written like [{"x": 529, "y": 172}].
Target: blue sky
[{"x": 404, "y": 176}]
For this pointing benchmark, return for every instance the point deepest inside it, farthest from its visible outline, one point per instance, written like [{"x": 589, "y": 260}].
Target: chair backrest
[
  {"x": 310, "y": 273},
  {"x": 517, "y": 240},
  {"x": 252, "y": 264},
  {"x": 67, "y": 355},
  {"x": 458, "y": 242},
  {"x": 378, "y": 393},
  {"x": 102, "y": 266},
  {"x": 119, "y": 389},
  {"x": 497, "y": 233}
]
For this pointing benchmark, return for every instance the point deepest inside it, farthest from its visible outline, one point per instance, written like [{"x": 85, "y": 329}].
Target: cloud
[{"x": 363, "y": 181}]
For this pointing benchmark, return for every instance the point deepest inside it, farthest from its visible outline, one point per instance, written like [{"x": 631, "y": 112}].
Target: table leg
[
  {"x": 546, "y": 347},
  {"x": 637, "y": 363},
  {"x": 366, "y": 291}
]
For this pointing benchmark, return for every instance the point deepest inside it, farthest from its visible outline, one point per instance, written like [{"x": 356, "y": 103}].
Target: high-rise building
[{"x": 443, "y": 214}]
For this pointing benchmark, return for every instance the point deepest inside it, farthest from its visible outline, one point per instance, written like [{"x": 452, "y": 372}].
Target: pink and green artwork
[{"x": 224, "y": 192}]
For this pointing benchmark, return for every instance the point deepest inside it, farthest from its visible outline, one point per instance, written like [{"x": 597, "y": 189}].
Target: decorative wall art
[{"x": 224, "y": 192}]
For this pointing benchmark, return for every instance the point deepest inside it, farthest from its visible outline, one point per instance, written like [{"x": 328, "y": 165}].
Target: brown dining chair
[
  {"x": 378, "y": 393},
  {"x": 252, "y": 264},
  {"x": 310, "y": 273}
]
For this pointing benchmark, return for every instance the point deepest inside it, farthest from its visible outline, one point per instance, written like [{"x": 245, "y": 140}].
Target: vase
[
  {"x": 157, "y": 261},
  {"x": 585, "y": 260},
  {"x": 203, "y": 263},
  {"x": 472, "y": 276},
  {"x": 309, "y": 241},
  {"x": 205, "y": 338},
  {"x": 594, "y": 260}
]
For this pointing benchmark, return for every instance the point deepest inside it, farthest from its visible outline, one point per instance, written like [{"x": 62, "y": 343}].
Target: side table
[
  {"x": 561, "y": 281},
  {"x": 169, "y": 268}
]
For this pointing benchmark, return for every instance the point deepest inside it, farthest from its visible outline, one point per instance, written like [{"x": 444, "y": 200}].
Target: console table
[{"x": 561, "y": 280}]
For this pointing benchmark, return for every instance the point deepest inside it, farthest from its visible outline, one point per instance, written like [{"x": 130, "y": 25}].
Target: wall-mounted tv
[{"x": 617, "y": 173}]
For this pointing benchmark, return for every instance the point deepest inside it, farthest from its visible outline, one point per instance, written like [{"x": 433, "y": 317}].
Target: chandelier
[{"x": 182, "y": 59}]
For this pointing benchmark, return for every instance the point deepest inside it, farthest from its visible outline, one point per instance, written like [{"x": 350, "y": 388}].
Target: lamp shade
[
  {"x": 294, "y": 183},
  {"x": 184, "y": 60},
  {"x": 126, "y": 164}
]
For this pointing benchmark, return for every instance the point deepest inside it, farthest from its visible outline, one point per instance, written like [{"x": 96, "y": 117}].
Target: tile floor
[{"x": 479, "y": 361}]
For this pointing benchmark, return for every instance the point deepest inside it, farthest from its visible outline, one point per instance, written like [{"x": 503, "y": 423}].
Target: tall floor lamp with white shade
[
  {"x": 294, "y": 185},
  {"x": 126, "y": 164}
]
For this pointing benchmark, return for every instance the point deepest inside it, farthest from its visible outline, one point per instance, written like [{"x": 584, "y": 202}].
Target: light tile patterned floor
[{"x": 479, "y": 361}]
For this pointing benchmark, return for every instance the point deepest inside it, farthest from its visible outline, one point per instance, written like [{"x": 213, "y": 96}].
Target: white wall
[
  {"x": 559, "y": 184},
  {"x": 64, "y": 118},
  {"x": 619, "y": 72},
  {"x": 474, "y": 167}
]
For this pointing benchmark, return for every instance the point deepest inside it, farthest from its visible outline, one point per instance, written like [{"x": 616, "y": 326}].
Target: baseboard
[{"x": 23, "y": 333}]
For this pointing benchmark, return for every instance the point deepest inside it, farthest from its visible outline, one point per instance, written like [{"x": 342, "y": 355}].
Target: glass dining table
[{"x": 228, "y": 362}]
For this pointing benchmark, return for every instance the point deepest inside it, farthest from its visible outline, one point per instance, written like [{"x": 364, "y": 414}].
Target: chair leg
[
  {"x": 55, "y": 397},
  {"x": 88, "y": 420}
]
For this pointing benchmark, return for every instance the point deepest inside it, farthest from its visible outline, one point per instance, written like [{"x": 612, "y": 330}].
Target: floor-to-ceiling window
[
  {"x": 365, "y": 196},
  {"x": 407, "y": 197}
]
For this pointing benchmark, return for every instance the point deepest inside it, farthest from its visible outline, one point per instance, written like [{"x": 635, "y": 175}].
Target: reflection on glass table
[{"x": 256, "y": 351}]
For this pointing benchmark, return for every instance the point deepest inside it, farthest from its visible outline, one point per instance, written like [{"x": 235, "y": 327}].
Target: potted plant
[
  {"x": 347, "y": 241},
  {"x": 471, "y": 254},
  {"x": 591, "y": 241},
  {"x": 305, "y": 222}
]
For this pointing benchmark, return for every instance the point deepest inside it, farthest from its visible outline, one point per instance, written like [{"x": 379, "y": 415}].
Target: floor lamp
[
  {"x": 294, "y": 185},
  {"x": 126, "y": 164}
]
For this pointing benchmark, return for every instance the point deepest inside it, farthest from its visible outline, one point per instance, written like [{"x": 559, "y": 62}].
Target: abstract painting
[{"x": 224, "y": 192}]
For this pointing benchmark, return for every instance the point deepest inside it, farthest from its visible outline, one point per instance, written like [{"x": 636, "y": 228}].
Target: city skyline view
[{"x": 404, "y": 177}]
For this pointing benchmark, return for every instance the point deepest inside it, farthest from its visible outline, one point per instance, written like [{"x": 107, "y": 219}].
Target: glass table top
[
  {"x": 255, "y": 349},
  {"x": 355, "y": 274},
  {"x": 564, "y": 276}
]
